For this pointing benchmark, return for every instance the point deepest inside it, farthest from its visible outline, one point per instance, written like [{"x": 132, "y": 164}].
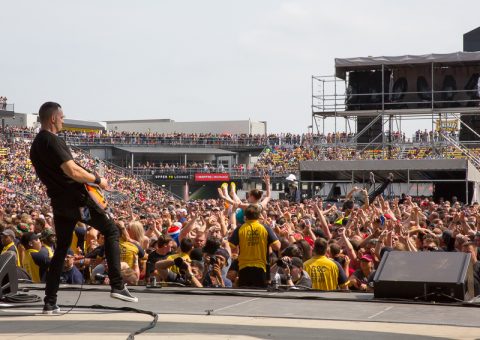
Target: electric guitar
[
  {"x": 95, "y": 192},
  {"x": 97, "y": 195}
]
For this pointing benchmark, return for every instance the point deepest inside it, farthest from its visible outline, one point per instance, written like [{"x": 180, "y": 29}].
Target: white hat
[{"x": 291, "y": 177}]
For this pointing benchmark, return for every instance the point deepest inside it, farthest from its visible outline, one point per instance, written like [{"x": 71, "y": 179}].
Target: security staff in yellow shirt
[
  {"x": 36, "y": 260},
  {"x": 326, "y": 274},
  {"x": 253, "y": 240}
]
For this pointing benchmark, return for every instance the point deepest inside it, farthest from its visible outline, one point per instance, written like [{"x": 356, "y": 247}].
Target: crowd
[
  {"x": 228, "y": 242},
  {"x": 255, "y": 140},
  {"x": 432, "y": 136}
]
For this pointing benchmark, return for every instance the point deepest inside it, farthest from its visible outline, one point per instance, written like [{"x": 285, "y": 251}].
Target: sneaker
[
  {"x": 123, "y": 294},
  {"x": 50, "y": 309},
  {"x": 233, "y": 187},
  {"x": 390, "y": 177}
]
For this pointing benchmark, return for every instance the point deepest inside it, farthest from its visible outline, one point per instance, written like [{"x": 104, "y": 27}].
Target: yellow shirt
[
  {"x": 77, "y": 242},
  {"x": 253, "y": 239},
  {"x": 30, "y": 266},
  {"x": 185, "y": 258},
  {"x": 325, "y": 273},
  {"x": 7, "y": 248},
  {"x": 128, "y": 251},
  {"x": 49, "y": 250}
]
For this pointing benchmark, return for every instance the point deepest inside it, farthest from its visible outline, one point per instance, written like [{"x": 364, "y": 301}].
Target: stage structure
[
  {"x": 374, "y": 95},
  {"x": 433, "y": 177},
  {"x": 6, "y": 111}
]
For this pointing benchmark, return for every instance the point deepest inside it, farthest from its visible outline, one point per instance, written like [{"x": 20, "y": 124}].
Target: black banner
[{"x": 172, "y": 177}]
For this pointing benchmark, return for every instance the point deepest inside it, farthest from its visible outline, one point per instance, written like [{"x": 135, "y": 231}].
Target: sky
[{"x": 206, "y": 60}]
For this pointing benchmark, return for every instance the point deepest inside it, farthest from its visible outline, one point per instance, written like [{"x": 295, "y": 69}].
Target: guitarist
[{"x": 65, "y": 181}]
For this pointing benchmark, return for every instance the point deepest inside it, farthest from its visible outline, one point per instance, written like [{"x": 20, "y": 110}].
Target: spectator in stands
[
  {"x": 70, "y": 273},
  {"x": 470, "y": 247},
  {"x": 215, "y": 276},
  {"x": 36, "y": 259},
  {"x": 362, "y": 278},
  {"x": 295, "y": 276},
  {"x": 8, "y": 243},
  {"x": 163, "y": 249},
  {"x": 176, "y": 271}
]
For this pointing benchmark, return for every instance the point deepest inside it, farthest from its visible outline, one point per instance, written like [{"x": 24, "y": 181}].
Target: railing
[
  {"x": 190, "y": 172},
  {"x": 126, "y": 172},
  {"x": 7, "y": 107},
  {"x": 218, "y": 141}
]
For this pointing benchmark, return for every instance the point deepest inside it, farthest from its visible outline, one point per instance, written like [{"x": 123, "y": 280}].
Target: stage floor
[{"x": 239, "y": 314}]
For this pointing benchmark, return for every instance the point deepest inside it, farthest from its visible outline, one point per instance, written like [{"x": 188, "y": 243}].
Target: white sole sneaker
[
  {"x": 51, "y": 312},
  {"x": 123, "y": 297}
]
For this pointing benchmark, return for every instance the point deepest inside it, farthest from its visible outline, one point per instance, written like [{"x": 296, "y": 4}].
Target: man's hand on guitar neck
[{"x": 104, "y": 184}]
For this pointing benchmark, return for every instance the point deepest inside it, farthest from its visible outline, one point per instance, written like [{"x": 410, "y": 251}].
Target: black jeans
[
  {"x": 252, "y": 277},
  {"x": 65, "y": 219}
]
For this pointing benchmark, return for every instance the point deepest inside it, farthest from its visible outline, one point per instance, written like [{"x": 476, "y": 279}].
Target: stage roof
[
  {"x": 343, "y": 65},
  {"x": 403, "y": 169},
  {"x": 174, "y": 150}
]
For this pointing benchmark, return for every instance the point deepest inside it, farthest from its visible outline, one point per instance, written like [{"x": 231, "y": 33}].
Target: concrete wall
[
  {"x": 22, "y": 120},
  {"x": 217, "y": 127}
]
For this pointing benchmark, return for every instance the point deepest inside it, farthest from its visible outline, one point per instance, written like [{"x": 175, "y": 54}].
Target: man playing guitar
[{"x": 71, "y": 203}]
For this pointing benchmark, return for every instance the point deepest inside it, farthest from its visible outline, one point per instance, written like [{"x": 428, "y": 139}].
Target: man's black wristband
[{"x": 97, "y": 179}]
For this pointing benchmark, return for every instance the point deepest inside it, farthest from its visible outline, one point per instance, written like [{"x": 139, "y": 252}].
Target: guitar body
[{"x": 97, "y": 196}]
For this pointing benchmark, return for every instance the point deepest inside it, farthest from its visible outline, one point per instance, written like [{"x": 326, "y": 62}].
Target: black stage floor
[{"x": 247, "y": 313}]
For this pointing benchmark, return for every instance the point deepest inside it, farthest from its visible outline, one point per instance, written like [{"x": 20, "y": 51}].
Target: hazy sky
[{"x": 206, "y": 60}]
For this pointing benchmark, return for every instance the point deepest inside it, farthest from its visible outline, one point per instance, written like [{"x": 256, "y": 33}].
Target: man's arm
[
  {"x": 267, "y": 197},
  {"x": 273, "y": 239},
  {"x": 188, "y": 226},
  {"x": 78, "y": 174},
  {"x": 164, "y": 264}
]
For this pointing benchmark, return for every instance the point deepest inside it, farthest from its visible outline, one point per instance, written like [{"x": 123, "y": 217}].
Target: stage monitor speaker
[
  {"x": 8, "y": 274},
  {"x": 424, "y": 92},
  {"x": 400, "y": 86},
  {"x": 429, "y": 276}
]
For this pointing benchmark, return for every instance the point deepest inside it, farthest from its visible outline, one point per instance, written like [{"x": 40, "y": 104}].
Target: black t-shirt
[
  {"x": 42, "y": 260},
  {"x": 153, "y": 258},
  {"x": 47, "y": 153},
  {"x": 362, "y": 278}
]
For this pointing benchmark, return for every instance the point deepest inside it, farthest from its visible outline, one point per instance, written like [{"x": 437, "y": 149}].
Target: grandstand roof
[
  {"x": 82, "y": 124},
  {"x": 403, "y": 169},
  {"x": 160, "y": 120},
  {"x": 343, "y": 65},
  {"x": 175, "y": 150}
]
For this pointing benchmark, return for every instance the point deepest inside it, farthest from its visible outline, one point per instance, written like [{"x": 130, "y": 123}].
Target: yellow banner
[
  {"x": 446, "y": 125},
  {"x": 68, "y": 128}
]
